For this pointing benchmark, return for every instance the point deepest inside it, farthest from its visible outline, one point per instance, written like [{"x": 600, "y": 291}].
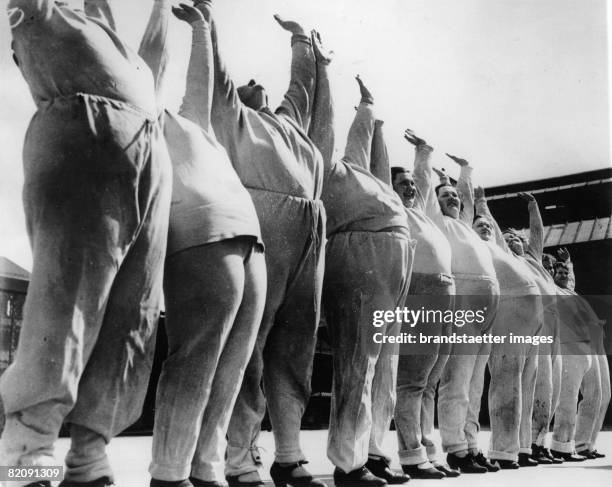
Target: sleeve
[
  {"x": 297, "y": 102},
  {"x": 197, "y": 102},
  {"x": 482, "y": 208},
  {"x": 227, "y": 113},
  {"x": 423, "y": 180},
  {"x": 321, "y": 130},
  {"x": 379, "y": 156},
  {"x": 359, "y": 139},
  {"x": 154, "y": 48},
  {"x": 536, "y": 231},
  {"x": 571, "y": 278},
  {"x": 466, "y": 194},
  {"x": 101, "y": 11}
]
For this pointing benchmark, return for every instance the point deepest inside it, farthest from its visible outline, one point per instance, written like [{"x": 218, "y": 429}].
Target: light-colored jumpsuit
[
  {"x": 283, "y": 172},
  {"x": 96, "y": 197},
  {"x": 215, "y": 277},
  {"x": 513, "y": 367},
  {"x": 368, "y": 265}
]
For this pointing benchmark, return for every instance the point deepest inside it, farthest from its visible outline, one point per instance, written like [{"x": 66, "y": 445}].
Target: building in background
[{"x": 13, "y": 287}]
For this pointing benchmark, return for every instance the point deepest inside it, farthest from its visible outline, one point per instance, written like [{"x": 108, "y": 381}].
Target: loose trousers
[
  {"x": 96, "y": 197},
  {"x": 462, "y": 382},
  {"x": 215, "y": 295},
  {"x": 365, "y": 272},
  {"x": 418, "y": 373},
  {"x": 293, "y": 231},
  {"x": 513, "y": 370}
]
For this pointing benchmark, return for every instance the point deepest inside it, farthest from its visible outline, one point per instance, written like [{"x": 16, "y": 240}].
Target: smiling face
[
  {"x": 514, "y": 242},
  {"x": 482, "y": 226},
  {"x": 548, "y": 261},
  {"x": 403, "y": 185},
  {"x": 253, "y": 95},
  {"x": 561, "y": 275},
  {"x": 450, "y": 204}
]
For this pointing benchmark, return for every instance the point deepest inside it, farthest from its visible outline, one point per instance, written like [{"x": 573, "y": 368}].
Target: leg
[
  {"x": 201, "y": 314},
  {"x": 528, "y": 385},
  {"x": 588, "y": 409},
  {"x": 209, "y": 456},
  {"x": 428, "y": 405},
  {"x": 574, "y": 368},
  {"x": 472, "y": 423},
  {"x": 542, "y": 402},
  {"x": 605, "y": 396}
]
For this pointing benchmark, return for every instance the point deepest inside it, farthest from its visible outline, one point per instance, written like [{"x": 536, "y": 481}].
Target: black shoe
[
  {"x": 294, "y": 475},
  {"x": 414, "y": 472},
  {"x": 381, "y": 469},
  {"x": 170, "y": 483},
  {"x": 449, "y": 472},
  {"x": 587, "y": 454},
  {"x": 233, "y": 481},
  {"x": 555, "y": 459},
  {"x": 101, "y": 482},
  {"x": 360, "y": 477},
  {"x": 481, "y": 460},
  {"x": 206, "y": 483},
  {"x": 465, "y": 464},
  {"x": 568, "y": 457},
  {"x": 538, "y": 454},
  {"x": 40, "y": 483},
  {"x": 597, "y": 454},
  {"x": 507, "y": 464},
  {"x": 525, "y": 460}
]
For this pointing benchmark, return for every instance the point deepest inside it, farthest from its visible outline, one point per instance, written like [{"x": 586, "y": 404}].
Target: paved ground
[{"x": 130, "y": 457}]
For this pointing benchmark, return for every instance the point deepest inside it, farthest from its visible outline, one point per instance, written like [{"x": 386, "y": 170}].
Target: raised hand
[
  {"x": 289, "y": 25},
  {"x": 441, "y": 173},
  {"x": 365, "y": 93},
  {"x": 479, "y": 192},
  {"x": 204, "y": 6},
  {"x": 413, "y": 139},
  {"x": 321, "y": 55},
  {"x": 528, "y": 197},
  {"x": 458, "y": 160},
  {"x": 187, "y": 13},
  {"x": 563, "y": 254}
]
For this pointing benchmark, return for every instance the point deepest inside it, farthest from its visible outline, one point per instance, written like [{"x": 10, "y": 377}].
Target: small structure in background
[{"x": 13, "y": 287}]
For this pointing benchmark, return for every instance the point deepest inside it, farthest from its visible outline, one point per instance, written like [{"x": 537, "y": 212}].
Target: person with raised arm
[
  {"x": 433, "y": 287},
  {"x": 477, "y": 288},
  {"x": 585, "y": 437},
  {"x": 368, "y": 266},
  {"x": 283, "y": 172},
  {"x": 513, "y": 367},
  {"x": 97, "y": 196},
  {"x": 548, "y": 378},
  {"x": 215, "y": 277},
  {"x": 581, "y": 339}
]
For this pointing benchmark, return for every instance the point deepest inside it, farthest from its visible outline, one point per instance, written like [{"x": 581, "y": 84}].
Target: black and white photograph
[{"x": 289, "y": 243}]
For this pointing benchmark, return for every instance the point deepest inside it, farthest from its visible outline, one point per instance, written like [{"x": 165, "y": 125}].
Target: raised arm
[
  {"x": 482, "y": 208},
  {"x": 379, "y": 156},
  {"x": 465, "y": 189},
  {"x": 426, "y": 199},
  {"x": 359, "y": 139},
  {"x": 297, "y": 102},
  {"x": 101, "y": 11},
  {"x": 321, "y": 130},
  {"x": 536, "y": 228},
  {"x": 153, "y": 47},
  {"x": 197, "y": 101}
]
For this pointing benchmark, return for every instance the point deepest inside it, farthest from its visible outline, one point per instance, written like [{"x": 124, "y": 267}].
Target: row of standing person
[{"x": 248, "y": 222}]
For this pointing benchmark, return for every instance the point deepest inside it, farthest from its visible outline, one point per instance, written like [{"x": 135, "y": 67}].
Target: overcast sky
[{"x": 518, "y": 87}]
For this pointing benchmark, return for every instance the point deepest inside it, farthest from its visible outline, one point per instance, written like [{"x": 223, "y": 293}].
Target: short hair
[
  {"x": 484, "y": 217},
  {"x": 395, "y": 170},
  {"x": 440, "y": 186},
  {"x": 550, "y": 257},
  {"x": 516, "y": 233},
  {"x": 560, "y": 265}
]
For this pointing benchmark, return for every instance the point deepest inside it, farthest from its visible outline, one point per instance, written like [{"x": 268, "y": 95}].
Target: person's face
[
  {"x": 403, "y": 185},
  {"x": 450, "y": 203},
  {"x": 515, "y": 243},
  {"x": 253, "y": 95},
  {"x": 548, "y": 264},
  {"x": 483, "y": 228},
  {"x": 561, "y": 276}
]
